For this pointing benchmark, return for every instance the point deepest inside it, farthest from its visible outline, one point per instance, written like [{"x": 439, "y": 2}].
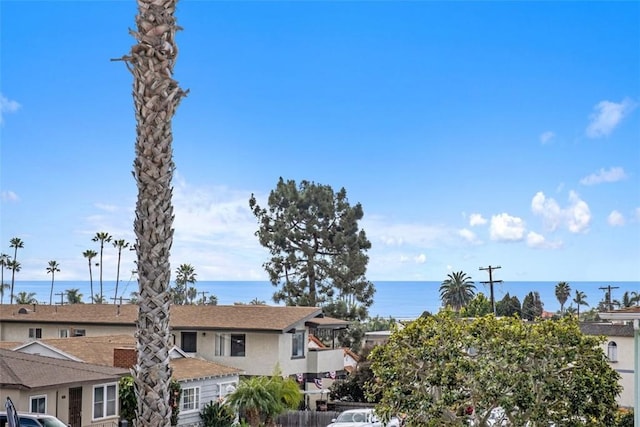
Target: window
[
  {"x": 35, "y": 333},
  {"x": 238, "y": 343},
  {"x": 297, "y": 344},
  {"x": 79, "y": 332},
  {"x": 63, "y": 333},
  {"x": 191, "y": 399},
  {"x": 222, "y": 341},
  {"x": 38, "y": 404},
  {"x": 189, "y": 340},
  {"x": 104, "y": 401},
  {"x": 612, "y": 351}
]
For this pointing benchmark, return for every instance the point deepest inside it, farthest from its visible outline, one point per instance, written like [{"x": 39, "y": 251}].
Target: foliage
[
  {"x": 89, "y": 254},
  {"x": 263, "y": 398},
  {"x": 102, "y": 237},
  {"x": 457, "y": 290},
  {"x": 128, "y": 401},
  {"x": 119, "y": 244},
  {"x": 629, "y": 299},
  {"x": 579, "y": 299},
  {"x": 52, "y": 269},
  {"x": 353, "y": 388},
  {"x": 26, "y": 298},
  {"x": 318, "y": 253},
  {"x": 175, "y": 393},
  {"x": 532, "y": 306},
  {"x": 15, "y": 243},
  {"x": 185, "y": 275},
  {"x": 74, "y": 296},
  {"x": 438, "y": 366},
  {"x": 624, "y": 418},
  {"x": 477, "y": 307},
  {"x": 217, "y": 414}
]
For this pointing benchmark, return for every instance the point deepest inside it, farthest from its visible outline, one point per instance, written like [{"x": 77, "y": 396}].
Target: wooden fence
[{"x": 306, "y": 418}]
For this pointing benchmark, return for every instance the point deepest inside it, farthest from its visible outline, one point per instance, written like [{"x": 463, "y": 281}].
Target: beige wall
[
  {"x": 624, "y": 366},
  {"x": 19, "y": 332}
]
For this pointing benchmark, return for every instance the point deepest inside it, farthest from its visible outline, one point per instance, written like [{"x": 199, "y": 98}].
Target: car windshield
[
  {"x": 350, "y": 417},
  {"x": 51, "y": 422}
]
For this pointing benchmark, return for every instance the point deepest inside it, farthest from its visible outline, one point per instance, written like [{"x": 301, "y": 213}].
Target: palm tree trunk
[
  {"x": 91, "y": 280},
  {"x": 156, "y": 95},
  {"x": 115, "y": 299}
]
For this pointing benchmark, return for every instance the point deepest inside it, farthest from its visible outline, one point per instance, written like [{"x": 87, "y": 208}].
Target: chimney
[{"x": 124, "y": 357}]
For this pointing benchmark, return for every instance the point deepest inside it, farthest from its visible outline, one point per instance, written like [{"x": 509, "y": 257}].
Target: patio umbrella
[{"x": 12, "y": 414}]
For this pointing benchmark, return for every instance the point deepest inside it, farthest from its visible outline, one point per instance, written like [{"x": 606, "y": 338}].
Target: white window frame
[
  {"x": 612, "y": 351},
  {"x": 298, "y": 337},
  {"x": 63, "y": 333},
  {"x": 35, "y": 333},
  {"x": 194, "y": 401},
  {"x": 105, "y": 402},
  {"x": 38, "y": 397}
]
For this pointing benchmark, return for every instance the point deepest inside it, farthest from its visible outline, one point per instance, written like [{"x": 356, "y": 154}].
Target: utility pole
[
  {"x": 608, "y": 295},
  {"x": 491, "y": 282},
  {"x": 61, "y": 297},
  {"x": 204, "y": 301}
]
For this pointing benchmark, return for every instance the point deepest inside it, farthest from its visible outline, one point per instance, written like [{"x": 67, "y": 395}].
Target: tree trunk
[{"x": 156, "y": 95}]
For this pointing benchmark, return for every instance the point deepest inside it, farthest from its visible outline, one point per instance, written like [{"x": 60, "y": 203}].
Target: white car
[{"x": 364, "y": 417}]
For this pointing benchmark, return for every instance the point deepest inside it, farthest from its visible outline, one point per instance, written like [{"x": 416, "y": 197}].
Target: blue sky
[{"x": 473, "y": 133}]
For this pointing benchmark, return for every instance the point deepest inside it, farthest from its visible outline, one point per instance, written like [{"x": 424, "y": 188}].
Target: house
[
  {"x": 252, "y": 338},
  {"x": 201, "y": 381},
  {"x": 630, "y": 314},
  {"x": 618, "y": 346},
  {"x": 81, "y": 394}
]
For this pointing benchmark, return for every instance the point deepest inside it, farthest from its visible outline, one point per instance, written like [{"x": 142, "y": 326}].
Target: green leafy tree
[
  {"x": 217, "y": 414},
  {"x": 74, "y": 296},
  {"x": 89, "y": 254},
  {"x": 442, "y": 370},
  {"x": 563, "y": 291},
  {"x": 185, "y": 275},
  {"x": 477, "y": 307},
  {"x": 4, "y": 263},
  {"x": 156, "y": 95},
  {"x": 128, "y": 401},
  {"x": 119, "y": 244},
  {"x": 52, "y": 269},
  {"x": 509, "y": 306},
  {"x": 457, "y": 290},
  {"x": 318, "y": 253},
  {"x": 579, "y": 299},
  {"x": 532, "y": 306},
  {"x": 102, "y": 237},
  {"x": 15, "y": 243},
  {"x": 26, "y": 298},
  {"x": 353, "y": 388}
]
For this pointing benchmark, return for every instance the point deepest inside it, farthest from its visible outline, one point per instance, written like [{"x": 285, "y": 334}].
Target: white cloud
[
  {"x": 576, "y": 217},
  {"x": 7, "y": 106},
  {"x": 612, "y": 175},
  {"x": 615, "y": 219},
  {"x": 10, "y": 196},
  {"x": 469, "y": 236},
  {"x": 538, "y": 241},
  {"x": 505, "y": 227},
  {"x": 547, "y": 136},
  {"x": 421, "y": 259},
  {"x": 410, "y": 234},
  {"x": 476, "y": 219},
  {"x": 607, "y": 116}
]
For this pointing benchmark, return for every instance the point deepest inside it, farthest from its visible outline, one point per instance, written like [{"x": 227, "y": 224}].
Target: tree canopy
[
  {"x": 443, "y": 370},
  {"x": 318, "y": 253}
]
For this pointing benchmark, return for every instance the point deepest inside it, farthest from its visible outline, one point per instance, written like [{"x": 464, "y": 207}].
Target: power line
[
  {"x": 491, "y": 282},
  {"x": 608, "y": 295}
]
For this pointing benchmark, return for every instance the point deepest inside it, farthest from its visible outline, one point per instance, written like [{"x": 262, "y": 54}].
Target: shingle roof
[
  {"x": 607, "y": 329},
  {"x": 31, "y": 371},
  {"x": 227, "y": 317},
  {"x": 99, "y": 350}
]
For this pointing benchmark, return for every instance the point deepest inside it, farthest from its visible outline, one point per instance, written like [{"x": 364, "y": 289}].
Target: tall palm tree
[
  {"x": 457, "y": 290},
  {"x": 119, "y": 245},
  {"x": 630, "y": 298},
  {"x": 26, "y": 298},
  {"x": 563, "y": 290},
  {"x": 4, "y": 263},
  {"x": 156, "y": 96},
  {"x": 102, "y": 237},
  {"x": 185, "y": 275},
  {"x": 74, "y": 296},
  {"x": 89, "y": 254},
  {"x": 15, "y": 243},
  {"x": 53, "y": 268},
  {"x": 15, "y": 267},
  {"x": 580, "y": 298}
]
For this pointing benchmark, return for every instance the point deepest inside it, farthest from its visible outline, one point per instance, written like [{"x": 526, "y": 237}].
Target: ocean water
[{"x": 398, "y": 299}]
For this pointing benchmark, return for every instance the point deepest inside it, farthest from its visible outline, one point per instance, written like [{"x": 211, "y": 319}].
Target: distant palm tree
[
  {"x": 15, "y": 267},
  {"x": 457, "y": 290},
  {"x": 98, "y": 299},
  {"x": 15, "y": 243},
  {"x": 185, "y": 275},
  {"x": 74, "y": 296},
  {"x": 630, "y": 298},
  {"x": 563, "y": 291},
  {"x": 4, "y": 263},
  {"x": 89, "y": 254},
  {"x": 53, "y": 268},
  {"x": 580, "y": 298},
  {"x": 101, "y": 236},
  {"x": 26, "y": 298},
  {"x": 120, "y": 245}
]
